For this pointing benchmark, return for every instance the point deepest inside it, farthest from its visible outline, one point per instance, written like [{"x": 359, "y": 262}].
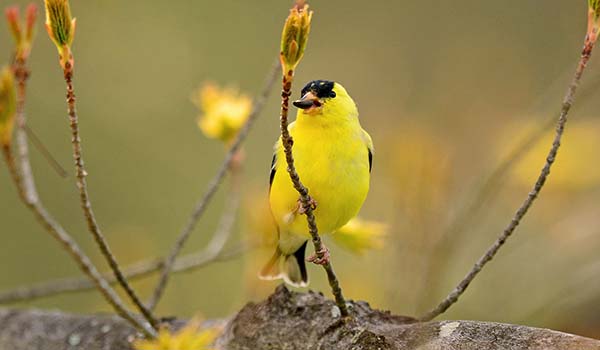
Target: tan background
[{"x": 445, "y": 88}]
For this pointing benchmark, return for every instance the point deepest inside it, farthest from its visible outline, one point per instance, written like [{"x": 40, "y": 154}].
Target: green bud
[
  {"x": 61, "y": 27},
  {"x": 295, "y": 36}
]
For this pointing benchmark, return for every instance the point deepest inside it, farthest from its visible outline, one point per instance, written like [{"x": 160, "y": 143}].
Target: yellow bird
[{"x": 333, "y": 156}]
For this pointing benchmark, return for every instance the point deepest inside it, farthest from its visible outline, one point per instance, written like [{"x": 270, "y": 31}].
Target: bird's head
[{"x": 326, "y": 98}]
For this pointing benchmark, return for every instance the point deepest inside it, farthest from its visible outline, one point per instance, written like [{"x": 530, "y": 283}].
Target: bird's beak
[{"x": 307, "y": 101}]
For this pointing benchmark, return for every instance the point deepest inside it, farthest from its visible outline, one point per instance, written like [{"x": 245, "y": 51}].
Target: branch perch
[
  {"x": 293, "y": 43},
  {"x": 287, "y": 142}
]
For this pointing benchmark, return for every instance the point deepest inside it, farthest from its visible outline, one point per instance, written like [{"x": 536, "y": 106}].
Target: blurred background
[{"x": 448, "y": 90}]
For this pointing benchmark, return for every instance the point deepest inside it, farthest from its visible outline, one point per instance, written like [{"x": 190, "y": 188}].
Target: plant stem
[
  {"x": 214, "y": 184},
  {"x": 467, "y": 216},
  {"x": 225, "y": 228},
  {"x": 23, "y": 178},
  {"x": 86, "y": 205},
  {"x": 539, "y": 184},
  {"x": 287, "y": 143}
]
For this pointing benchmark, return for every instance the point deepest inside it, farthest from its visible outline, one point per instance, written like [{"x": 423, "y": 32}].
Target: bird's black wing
[
  {"x": 273, "y": 170},
  {"x": 370, "y": 161}
]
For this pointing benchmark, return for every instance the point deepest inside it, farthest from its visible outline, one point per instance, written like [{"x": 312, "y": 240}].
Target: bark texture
[{"x": 289, "y": 320}]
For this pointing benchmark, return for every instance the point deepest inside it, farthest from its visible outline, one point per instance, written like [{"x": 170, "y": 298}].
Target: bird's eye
[{"x": 332, "y": 94}]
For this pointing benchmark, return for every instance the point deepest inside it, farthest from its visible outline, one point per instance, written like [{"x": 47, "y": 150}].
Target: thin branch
[
  {"x": 214, "y": 184},
  {"x": 486, "y": 189},
  {"x": 54, "y": 164},
  {"x": 23, "y": 178},
  {"x": 135, "y": 271},
  {"x": 86, "y": 205},
  {"x": 539, "y": 184},
  {"x": 468, "y": 213},
  {"x": 227, "y": 220},
  {"x": 287, "y": 143}
]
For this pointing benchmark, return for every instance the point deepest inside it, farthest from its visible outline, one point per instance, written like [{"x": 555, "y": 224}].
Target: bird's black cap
[{"x": 321, "y": 88}]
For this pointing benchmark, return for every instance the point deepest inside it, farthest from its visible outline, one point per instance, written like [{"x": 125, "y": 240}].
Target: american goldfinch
[{"x": 333, "y": 156}]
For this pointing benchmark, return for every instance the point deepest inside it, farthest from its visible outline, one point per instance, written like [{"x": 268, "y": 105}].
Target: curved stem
[
  {"x": 86, "y": 205},
  {"x": 539, "y": 184},
  {"x": 466, "y": 217},
  {"x": 23, "y": 178}
]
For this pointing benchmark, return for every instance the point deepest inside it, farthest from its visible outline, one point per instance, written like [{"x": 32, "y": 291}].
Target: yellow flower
[
  {"x": 359, "y": 236},
  {"x": 8, "y": 105},
  {"x": 188, "y": 338},
  {"x": 61, "y": 28},
  {"x": 295, "y": 36},
  {"x": 224, "y": 111},
  {"x": 573, "y": 169}
]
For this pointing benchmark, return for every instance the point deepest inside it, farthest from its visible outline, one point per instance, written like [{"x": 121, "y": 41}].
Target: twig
[
  {"x": 287, "y": 143},
  {"x": 442, "y": 245},
  {"x": 54, "y": 164},
  {"x": 23, "y": 182},
  {"x": 86, "y": 205},
  {"x": 214, "y": 184},
  {"x": 486, "y": 189},
  {"x": 23, "y": 178},
  {"x": 225, "y": 227},
  {"x": 136, "y": 271},
  {"x": 566, "y": 106}
]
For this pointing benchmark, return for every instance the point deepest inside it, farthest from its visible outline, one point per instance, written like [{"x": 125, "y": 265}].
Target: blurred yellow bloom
[
  {"x": 260, "y": 233},
  {"x": 419, "y": 164},
  {"x": 574, "y": 168},
  {"x": 224, "y": 111},
  {"x": 358, "y": 235},
  {"x": 8, "y": 105},
  {"x": 188, "y": 338}
]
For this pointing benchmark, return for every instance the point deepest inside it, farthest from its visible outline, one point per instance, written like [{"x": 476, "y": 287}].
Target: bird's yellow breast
[{"x": 333, "y": 163}]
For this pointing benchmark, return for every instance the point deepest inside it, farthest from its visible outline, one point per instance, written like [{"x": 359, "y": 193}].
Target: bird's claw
[
  {"x": 324, "y": 259},
  {"x": 312, "y": 203}
]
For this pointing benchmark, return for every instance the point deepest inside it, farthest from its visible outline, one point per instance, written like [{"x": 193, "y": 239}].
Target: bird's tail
[{"x": 290, "y": 268}]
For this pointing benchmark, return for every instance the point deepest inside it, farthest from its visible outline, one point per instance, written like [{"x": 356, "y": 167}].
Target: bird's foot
[
  {"x": 311, "y": 202},
  {"x": 324, "y": 259}
]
